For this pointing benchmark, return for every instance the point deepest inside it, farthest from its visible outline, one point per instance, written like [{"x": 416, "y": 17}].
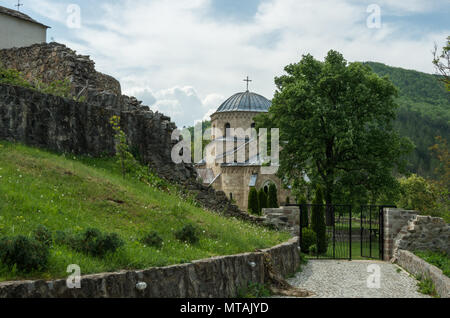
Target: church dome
[{"x": 245, "y": 102}]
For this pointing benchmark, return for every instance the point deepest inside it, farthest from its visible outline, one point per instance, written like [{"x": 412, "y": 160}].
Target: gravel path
[{"x": 345, "y": 279}]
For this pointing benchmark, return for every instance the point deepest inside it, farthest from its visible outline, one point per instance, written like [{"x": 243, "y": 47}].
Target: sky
[{"x": 185, "y": 57}]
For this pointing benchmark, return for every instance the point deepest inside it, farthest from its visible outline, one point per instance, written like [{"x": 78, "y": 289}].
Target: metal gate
[
  {"x": 338, "y": 231},
  {"x": 357, "y": 235},
  {"x": 372, "y": 230}
]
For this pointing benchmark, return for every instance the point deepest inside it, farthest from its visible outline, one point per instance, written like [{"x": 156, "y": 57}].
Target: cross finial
[
  {"x": 248, "y": 81},
  {"x": 18, "y": 5}
]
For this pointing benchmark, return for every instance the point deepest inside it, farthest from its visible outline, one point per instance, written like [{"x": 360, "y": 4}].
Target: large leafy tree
[{"x": 335, "y": 121}]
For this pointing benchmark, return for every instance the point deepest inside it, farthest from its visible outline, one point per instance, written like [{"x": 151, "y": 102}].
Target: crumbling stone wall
[
  {"x": 284, "y": 218},
  {"x": 54, "y": 61},
  {"x": 424, "y": 233}
]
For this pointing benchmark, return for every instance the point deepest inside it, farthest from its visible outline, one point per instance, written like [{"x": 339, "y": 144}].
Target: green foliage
[
  {"x": 253, "y": 206},
  {"x": 43, "y": 235},
  {"x": 336, "y": 125},
  {"x": 438, "y": 259},
  {"x": 254, "y": 290},
  {"x": 442, "y": 63},
  {"x": 187, "y": 234},
  {"x": 23, "y": 253},
  {"x": 313, "y": 250},
  {"x": 309, "y": 238},
  {"x": 304, "y": 215},
  {"x": 418, "y": 194},
  {"x": 426, "y": 286},
  {"x": 272, "y": 200},
  {"x": 424, "y": 112},
  {"x": 124, "y": 156},
  {"x": 262, "y": 201},
  {"x": 318, "y": 222},
  {"x": 93, "y": 242},
  {"x": 13, "y": 77},
  {"x": 58, "y": 88},
  {"x": 153, "y": 239},
  {"x": 61, "y": 88}
]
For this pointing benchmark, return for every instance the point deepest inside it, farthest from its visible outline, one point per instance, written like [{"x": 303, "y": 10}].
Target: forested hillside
[{"x": 424, "y": 112}]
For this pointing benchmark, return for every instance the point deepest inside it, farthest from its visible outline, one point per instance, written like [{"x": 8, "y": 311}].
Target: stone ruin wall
[{"x": 54, "y": 61}]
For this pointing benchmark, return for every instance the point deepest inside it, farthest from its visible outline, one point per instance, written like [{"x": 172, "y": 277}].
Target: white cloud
[{"x": 151, "y": 46}]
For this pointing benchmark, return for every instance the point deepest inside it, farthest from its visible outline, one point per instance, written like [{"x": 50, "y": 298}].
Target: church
[{"x": 236, "y": 169}]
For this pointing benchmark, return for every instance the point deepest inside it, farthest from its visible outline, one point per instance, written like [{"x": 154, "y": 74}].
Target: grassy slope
[{"x": 74, "y": 193}]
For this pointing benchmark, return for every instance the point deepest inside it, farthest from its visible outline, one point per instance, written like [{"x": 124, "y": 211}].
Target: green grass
[
  {"x": 440, "y": 260},
  {"x": 66, "y": 192},
  {"x": 426, "y": 286}
]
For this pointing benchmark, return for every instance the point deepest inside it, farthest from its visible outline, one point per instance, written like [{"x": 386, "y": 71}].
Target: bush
[
  {"x": 272, "y": 200},
  {"x": 318, "y": 222},
  {"x": 309, "y": 238},
  {"x": 254, "y": 290},
  {"x": 92, "y": 241},
  {"x": 187, "y": 234},
  {"x": 253, "y": 201},
  {"x": 152, "y": 239},
  {"x": 313, "y": 249},
  {"x": 43, "y": 235},
  {"x": 304, "y": 215},
  {"x": 262, "y": 201},
  {"x": 26, "y": 254}
]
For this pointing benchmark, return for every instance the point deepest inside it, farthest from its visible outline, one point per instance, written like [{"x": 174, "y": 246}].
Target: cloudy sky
[{"x": 185, "y": 57}]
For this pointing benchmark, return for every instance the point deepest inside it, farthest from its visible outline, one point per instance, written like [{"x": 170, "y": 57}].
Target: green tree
[
  {"x": 253, "y": 201},
  {"x": 335, "y": 123},
  {"x": 442, "y": 62},
  {"x": 124, "y": 156},
  {"x": 304, "y": 216},
  {"x": 318, "y": 222},
  {"x": 262, "y": 200},
  {"x": 272, "y": 200}
]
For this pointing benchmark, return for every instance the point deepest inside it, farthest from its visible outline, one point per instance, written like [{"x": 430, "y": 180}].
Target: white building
[{"x": 18, "y": 29}]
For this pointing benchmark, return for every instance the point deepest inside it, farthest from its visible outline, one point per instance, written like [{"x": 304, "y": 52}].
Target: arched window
[{"x": 227, "y": 126}]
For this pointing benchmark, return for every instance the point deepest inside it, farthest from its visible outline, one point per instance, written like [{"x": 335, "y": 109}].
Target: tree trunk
[{"x": 329, "y": 209}]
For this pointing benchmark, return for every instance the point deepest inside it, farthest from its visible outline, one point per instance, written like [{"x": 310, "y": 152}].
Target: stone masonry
[
  {"x": 284, "y": 218},
  {"x": 53, "y": 61},
  {"x": 424, "y": 233}
]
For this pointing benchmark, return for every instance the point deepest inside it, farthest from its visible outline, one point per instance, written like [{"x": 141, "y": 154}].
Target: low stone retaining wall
[
  {"x": 417, "y": 266},
  {"x": 219, "y": 277}
]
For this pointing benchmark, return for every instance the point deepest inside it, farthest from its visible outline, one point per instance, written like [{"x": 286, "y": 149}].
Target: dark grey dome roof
[{"x": 245, "y": 102}]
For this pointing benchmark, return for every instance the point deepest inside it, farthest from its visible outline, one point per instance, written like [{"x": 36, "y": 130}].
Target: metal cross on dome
[
  {"x": 18, "y": 5},
  {"x": 248, "y": 81}
]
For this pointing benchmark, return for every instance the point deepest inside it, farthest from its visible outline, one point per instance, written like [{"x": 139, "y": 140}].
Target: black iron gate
[
  {"x": 372, "y": 230},
  {"x": 357, "y": 235}
]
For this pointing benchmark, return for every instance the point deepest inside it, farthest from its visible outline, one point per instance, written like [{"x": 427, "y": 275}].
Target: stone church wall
[{"x": 53, "y": 61}]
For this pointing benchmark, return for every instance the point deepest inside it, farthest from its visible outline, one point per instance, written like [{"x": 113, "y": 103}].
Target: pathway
[{"x": 345, "y": 279}]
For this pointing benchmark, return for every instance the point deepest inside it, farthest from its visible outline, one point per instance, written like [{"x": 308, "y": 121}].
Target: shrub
[
  {"x": 253, "y": 201},
  {"x": 313, "y": 249},
  {"x": 272, "y": 200},
  {"x": 24, "y": 253},
  {"x": 92, "y": 241},
  {"x": 309, "y": 238},
  {"x": 304, "y": 215},
  {"x": 43, "y": 235},
  {"x": 262, "y": 201},
  {"x": 152, "y": 239},
  {"x": 318, "y": 222},
  {"x": 187, "y": 234}
]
